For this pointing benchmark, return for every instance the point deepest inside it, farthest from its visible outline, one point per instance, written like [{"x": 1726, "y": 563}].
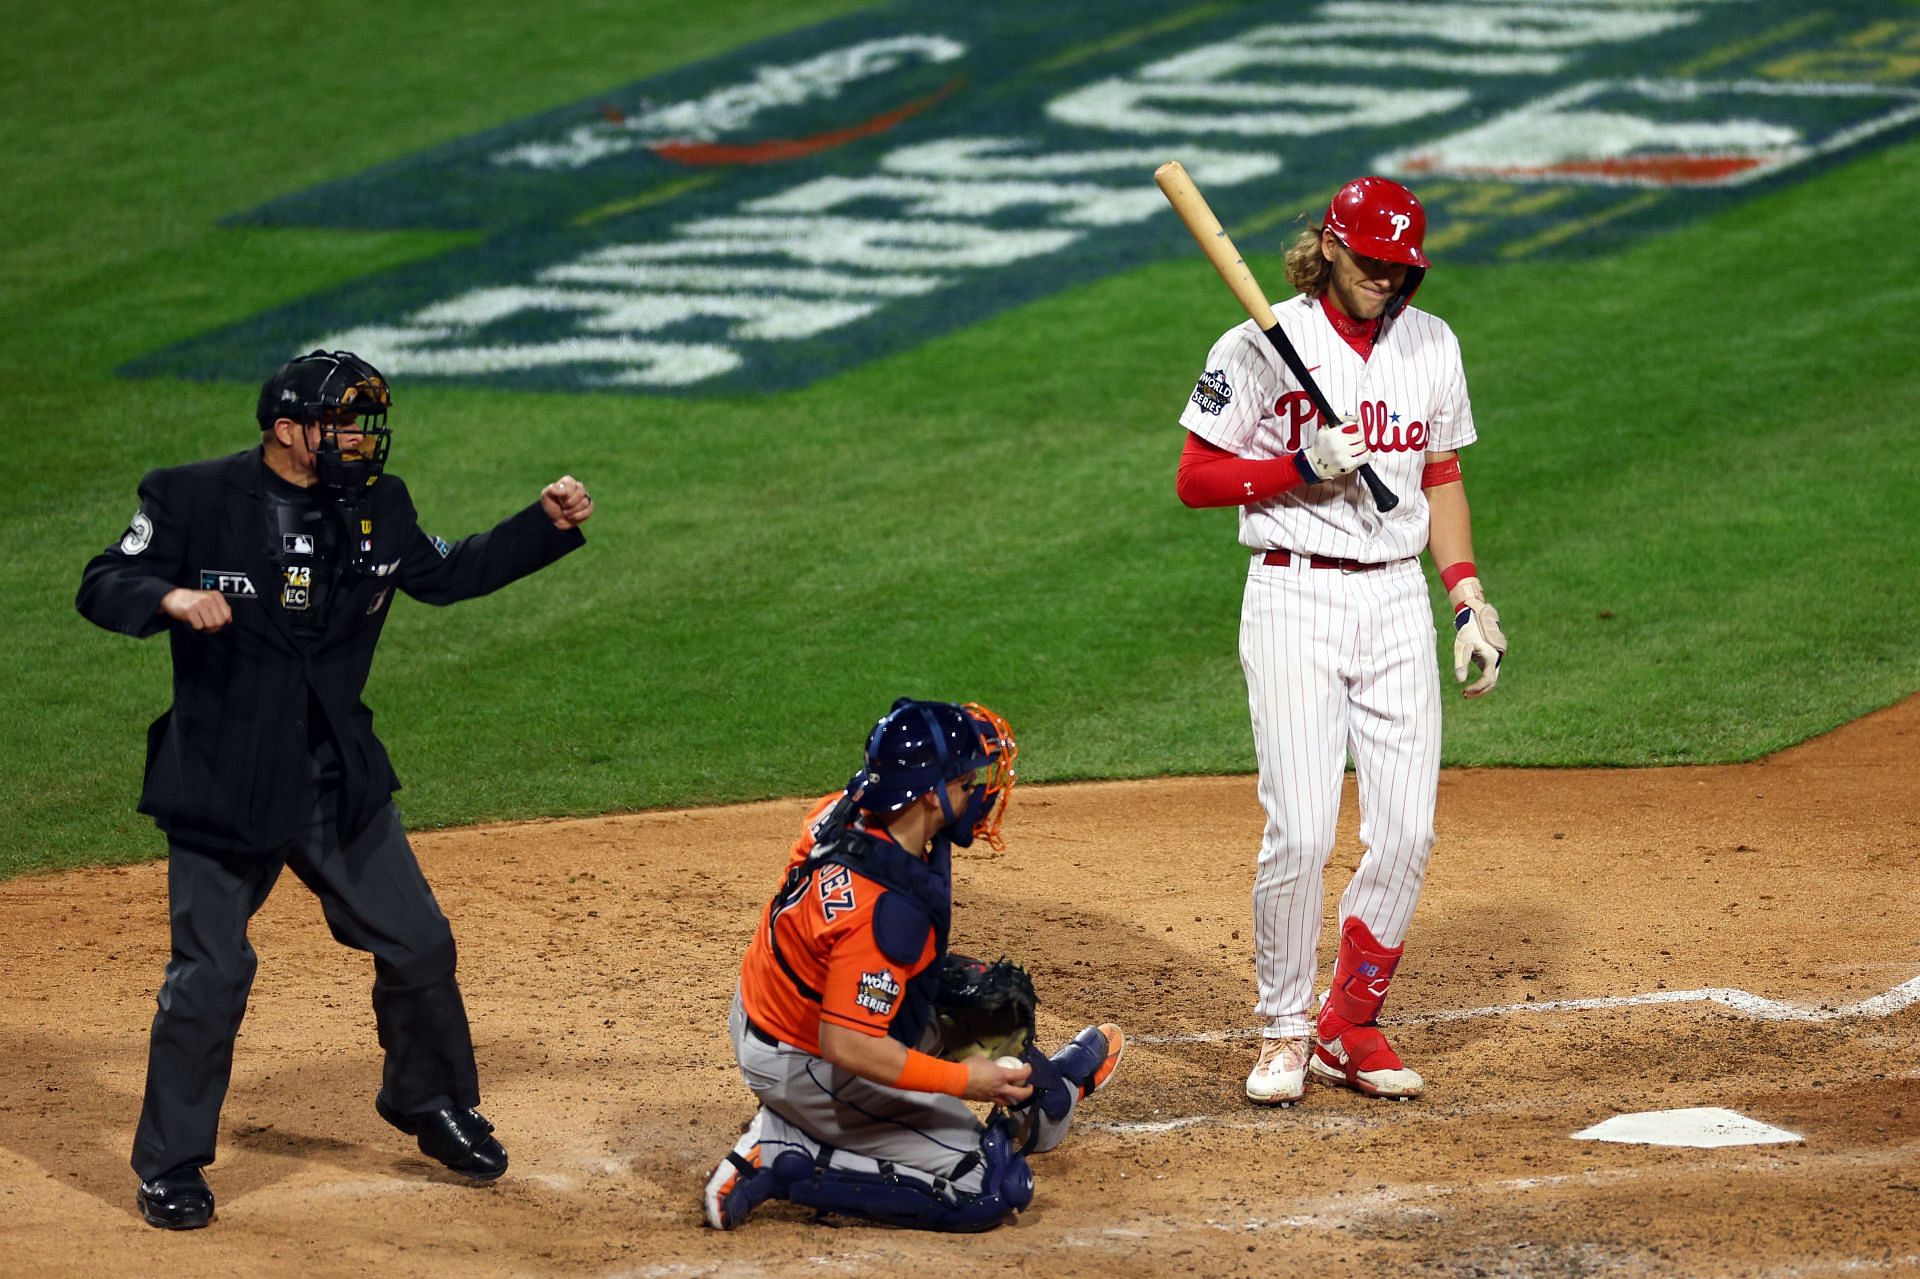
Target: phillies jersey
[
  {"x": 824, "y": 930},
  {"x": 1410, "y": 398}
]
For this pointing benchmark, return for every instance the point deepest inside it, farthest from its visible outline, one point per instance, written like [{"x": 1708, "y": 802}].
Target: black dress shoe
[
  {"x": 181, "y": 1200},
  {"x": 460, "y": 1139}
]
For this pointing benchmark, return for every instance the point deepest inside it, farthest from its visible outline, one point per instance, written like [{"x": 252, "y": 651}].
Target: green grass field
[{"x": 1692, "y": 491}]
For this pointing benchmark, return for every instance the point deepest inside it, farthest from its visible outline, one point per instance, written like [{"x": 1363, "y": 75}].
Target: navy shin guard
[{"x": 907, "y": 1197}]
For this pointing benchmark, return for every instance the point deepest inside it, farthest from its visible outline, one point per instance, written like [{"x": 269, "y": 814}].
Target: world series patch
[
  {"x": 1212, "y": 393},
  {"x": 877, "y": 992}
]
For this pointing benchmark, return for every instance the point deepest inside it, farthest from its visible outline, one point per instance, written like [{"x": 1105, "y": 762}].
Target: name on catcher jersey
[
  {"x": 1410, "y": 398},
  {"x": 827, "y": 936}
]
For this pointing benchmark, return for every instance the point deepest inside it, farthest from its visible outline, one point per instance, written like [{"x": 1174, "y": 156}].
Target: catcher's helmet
[
  {"x": 339, "y": 391},
  {"x": 918, "y": 747},
  {"x": 1381, "y": 219}
]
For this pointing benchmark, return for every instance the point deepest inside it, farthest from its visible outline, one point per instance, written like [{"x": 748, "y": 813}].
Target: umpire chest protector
[
  {"x": 309, "y": 540},
  {"x": 919, "y": 897}
]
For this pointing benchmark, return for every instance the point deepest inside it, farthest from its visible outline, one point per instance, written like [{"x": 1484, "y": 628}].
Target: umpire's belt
[{"x": 1280, "y": 559}]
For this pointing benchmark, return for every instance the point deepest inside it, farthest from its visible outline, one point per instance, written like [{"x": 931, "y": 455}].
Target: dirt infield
[{"x": 1743, "y": 937}]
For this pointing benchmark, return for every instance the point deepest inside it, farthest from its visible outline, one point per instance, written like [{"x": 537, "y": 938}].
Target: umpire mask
[{"x": 348, "y": 399}]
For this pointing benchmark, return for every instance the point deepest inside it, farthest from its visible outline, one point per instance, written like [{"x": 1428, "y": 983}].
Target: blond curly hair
[{"x": 1307, "y": 268}]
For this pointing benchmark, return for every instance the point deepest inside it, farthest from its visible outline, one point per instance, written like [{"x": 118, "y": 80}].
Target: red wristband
[
  {"x": 1453, "y": 574},
  {"x": 930, "y": 1074},
  {"x": 1438, "y": 473}
]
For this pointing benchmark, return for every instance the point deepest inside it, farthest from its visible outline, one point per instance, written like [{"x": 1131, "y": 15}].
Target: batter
[{"x": 1336, "y": 631}]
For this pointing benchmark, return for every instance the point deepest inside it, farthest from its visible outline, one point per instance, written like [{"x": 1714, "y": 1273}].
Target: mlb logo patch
[{"x": 297, "y": 543}]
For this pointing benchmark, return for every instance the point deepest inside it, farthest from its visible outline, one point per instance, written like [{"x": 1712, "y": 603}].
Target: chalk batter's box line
[{"x": 1905, "y": 995}]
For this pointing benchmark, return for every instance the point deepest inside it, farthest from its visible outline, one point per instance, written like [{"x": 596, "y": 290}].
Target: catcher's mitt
[{"x": 984, "y": 1009}]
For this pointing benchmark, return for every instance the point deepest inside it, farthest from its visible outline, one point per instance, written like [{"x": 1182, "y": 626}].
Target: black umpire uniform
[{"x": 267, "y": 759}]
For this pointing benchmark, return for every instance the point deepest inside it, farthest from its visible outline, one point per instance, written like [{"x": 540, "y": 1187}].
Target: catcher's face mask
[{"x": 987, "y": 798}]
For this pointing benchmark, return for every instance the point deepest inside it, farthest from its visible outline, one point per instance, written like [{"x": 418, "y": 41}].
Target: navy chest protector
[{"x": 919, "y": 897}]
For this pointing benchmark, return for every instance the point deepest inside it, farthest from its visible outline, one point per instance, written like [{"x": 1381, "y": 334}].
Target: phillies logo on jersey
[{"x": 1382, "y": 428}]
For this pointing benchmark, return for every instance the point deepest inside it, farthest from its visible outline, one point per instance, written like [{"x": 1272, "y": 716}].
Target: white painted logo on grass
[
  {"x": 732, "y": 107},
  {"x": 1697, "y": 1126},
  {"x": 1660, "y": 133}
]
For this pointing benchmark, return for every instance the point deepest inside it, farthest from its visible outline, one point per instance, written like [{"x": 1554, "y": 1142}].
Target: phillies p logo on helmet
[{"x": 1381, "y": 219}]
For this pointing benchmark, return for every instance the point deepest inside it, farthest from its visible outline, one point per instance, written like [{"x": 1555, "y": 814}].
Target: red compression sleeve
[{"x": 1211, "y": 476}]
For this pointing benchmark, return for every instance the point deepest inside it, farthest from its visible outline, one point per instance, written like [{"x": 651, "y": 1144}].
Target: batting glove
[
  {"x": 1477, "y": 639},
  {"x": 1335, "y": 451}
]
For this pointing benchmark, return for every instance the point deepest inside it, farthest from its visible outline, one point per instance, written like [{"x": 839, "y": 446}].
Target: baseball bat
[{"x": 1187, "y": 201}]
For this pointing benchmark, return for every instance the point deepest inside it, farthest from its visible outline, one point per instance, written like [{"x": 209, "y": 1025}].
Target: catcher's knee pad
[{"x": 908, "y": 1197}]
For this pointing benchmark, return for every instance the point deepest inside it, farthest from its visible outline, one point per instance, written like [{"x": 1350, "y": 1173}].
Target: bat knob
[{"x": 1383, "y": 497}]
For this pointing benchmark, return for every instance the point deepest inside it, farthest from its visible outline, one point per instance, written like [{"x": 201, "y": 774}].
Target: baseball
[{"x": 1010, "y": 1063}]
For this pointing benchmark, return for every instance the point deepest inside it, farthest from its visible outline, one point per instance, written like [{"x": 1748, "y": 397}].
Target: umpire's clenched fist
[
  {"x": 566, "y": 502},
  {"x": 205, "y": 611}
]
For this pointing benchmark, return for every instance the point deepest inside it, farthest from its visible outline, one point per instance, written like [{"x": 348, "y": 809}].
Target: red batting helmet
[{"x": 1380, "y": 218}]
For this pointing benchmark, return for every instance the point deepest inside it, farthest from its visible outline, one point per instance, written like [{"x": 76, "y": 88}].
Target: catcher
[{"x": 863, "y": 1038}]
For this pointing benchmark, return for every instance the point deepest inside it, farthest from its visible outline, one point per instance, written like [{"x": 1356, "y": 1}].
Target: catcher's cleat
[
  {"x": 1090, "y": 1059},
  {"x": 1280, "y": 1076},
  {"x": 1360, "y": 1058},
  {"x": 740, "y": 1183}
]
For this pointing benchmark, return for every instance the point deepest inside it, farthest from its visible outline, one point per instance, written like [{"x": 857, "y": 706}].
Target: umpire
[{"x": 272, "y": 571}]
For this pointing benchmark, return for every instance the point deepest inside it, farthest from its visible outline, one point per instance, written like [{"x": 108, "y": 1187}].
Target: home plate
[{"x": 1700, "y": 1126}]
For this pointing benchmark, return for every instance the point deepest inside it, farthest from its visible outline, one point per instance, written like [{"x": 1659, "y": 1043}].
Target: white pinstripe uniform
[{"x": 1337, "y": 662}]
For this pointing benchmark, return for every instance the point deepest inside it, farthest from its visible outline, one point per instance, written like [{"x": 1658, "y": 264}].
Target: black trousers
[{"x": 375, "y": 899}]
